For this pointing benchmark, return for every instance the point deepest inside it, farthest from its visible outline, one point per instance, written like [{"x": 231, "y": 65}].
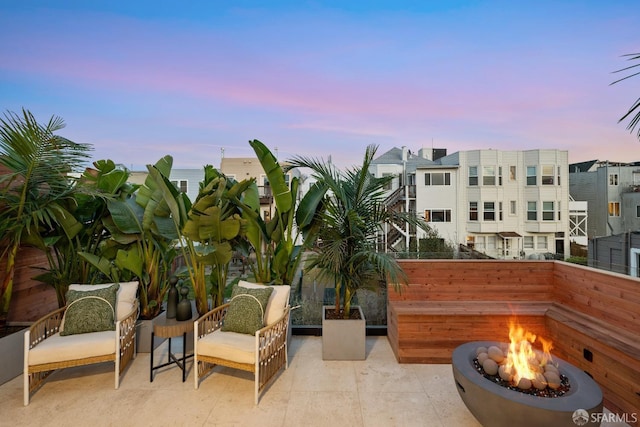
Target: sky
[{"x": 140, "y": 79}]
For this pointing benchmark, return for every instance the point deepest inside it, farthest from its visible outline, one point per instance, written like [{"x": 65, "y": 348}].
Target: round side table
[{"x": 171, "y": 328}]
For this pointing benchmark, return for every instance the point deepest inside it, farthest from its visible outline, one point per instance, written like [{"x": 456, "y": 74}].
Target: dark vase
[
  {"x": 184, "y": 306},
  {"x": 172, "y": 298}
]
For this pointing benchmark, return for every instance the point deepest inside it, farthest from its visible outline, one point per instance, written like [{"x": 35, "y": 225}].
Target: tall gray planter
[
  {"x": 12, "y": 355},
  {"x": 343, "y": 339},
  {"x": 144, "y": 327}
]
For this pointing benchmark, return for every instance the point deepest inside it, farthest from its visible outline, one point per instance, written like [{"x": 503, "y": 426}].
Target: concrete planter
[
  {"x": 144, "y": 327},
  {"x": 343, "y": 339},
  {"x": 12, "y": 355}
]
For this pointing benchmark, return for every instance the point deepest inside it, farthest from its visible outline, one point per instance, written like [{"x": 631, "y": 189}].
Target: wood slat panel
[{"x": 448, "y": 303}]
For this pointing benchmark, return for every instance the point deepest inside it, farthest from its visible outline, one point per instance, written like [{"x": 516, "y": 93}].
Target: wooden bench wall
[
  {"x": 590, "y": 314},
  {"x": 448, "y": 303},
  {"x": 598, "y": 318}
]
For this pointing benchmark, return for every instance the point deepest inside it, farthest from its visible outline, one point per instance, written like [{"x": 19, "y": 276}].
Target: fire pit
[{"x": 568, "y": 404}]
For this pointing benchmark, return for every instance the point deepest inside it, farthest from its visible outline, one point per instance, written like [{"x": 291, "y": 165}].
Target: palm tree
[
  {"x": 36, "y": 192},
  {"x": 635, "y": 108},
  {"x": 353, "y": 217}
]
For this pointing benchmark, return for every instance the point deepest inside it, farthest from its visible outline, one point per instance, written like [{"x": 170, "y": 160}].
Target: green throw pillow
[
  {"x": 90, "y": 311},
  {"x": 246, "y": 311}
]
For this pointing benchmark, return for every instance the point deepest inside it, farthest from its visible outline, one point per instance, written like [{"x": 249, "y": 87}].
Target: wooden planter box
[{"x": 343, "y": 339}]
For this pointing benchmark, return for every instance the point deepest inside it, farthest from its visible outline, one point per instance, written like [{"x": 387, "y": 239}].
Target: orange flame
[{"x": 522, "y": 360}]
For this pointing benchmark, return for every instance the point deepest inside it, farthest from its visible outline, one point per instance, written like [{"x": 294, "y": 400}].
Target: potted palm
[{"x": 346, "y": 254}]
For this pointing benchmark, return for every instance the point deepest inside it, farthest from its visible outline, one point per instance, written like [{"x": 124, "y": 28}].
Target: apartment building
[
  {"x": 612, "y": 191},
  {"x": 507, "y": 204}
]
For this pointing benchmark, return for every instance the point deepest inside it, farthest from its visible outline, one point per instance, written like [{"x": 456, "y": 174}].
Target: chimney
[{"x": 424, "y": 154}]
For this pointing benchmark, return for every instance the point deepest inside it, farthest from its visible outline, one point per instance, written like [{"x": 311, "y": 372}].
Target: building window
[
  {"x": 542, "y": 242},
  {"x": 614, "y": 208},
  {"x": 558, "y": 175},
  {"x": 532, "y": 213},
  {"x": 489, "y": 175},
  {"x": 489, "y": 211},
  {"x": 637, "y": 211},
  {"x": 437, "y": 215},
  {"x": 473, "y": 175},
  {"x": 181, "y": 185},
  {"x": 547, "y": 211},
  {"x": 528, "y": 242},
  {"x": 499, "y": 211},
  {"x": 531, "y": 175},
  {"x": 512, "y": 173},
  {"x": 473, "y": 211},
  {"x": 547, "y": 175},
  {"x": 441, "y": 178},
  {"x": 499, "y": 175},
  {"x": 512, "y": 207},
  {"x": 613, "y": 179}
]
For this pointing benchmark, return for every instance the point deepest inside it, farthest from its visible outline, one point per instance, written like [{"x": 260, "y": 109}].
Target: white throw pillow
[{"x": 277, "y": 302}]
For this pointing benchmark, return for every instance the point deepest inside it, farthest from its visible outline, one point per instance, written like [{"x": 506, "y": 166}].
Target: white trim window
[
  {"x": 531, "y": 175},
  {"x": 437, "y": 178},
  {"x": 532, "y": 211},
  {"x": 547, "y": 175},
  {"x": 437, "y": 215},
  {"x": 614, "y": 208},
  {"x": 548, "y": 211},
  {"x": 489, "y": 211},
  {"x": 488, "y": 175},
  {"x": 473, "y": 175}
]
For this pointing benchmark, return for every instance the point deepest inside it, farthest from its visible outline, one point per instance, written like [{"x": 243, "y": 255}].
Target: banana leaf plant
[
  {"x": 36, "y": 192},
  {"x": 97, "y": 184},
  {"x": 279, "y": 243},
  {"x": 142, "y": 239},
  {"x": 214, "y": 228}
]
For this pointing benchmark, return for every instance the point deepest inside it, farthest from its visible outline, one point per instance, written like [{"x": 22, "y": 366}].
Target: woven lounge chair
[
  {"x": 47, "y": 347},
  {"x": 264, "y": 352}
]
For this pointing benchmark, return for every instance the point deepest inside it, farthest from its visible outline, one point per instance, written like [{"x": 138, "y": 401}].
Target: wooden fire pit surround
[{"x": 592, "y": 316}]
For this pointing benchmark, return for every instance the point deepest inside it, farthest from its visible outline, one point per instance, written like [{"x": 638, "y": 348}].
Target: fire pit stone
[{"x": 495, "y": 405}]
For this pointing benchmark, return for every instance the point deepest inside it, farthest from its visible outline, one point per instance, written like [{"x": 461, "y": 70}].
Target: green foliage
[
  {"x": 37, "y": 193},
  {"x": 577, "y": 260},
  {"x": 354, "y": 214},
  {"x": 142, "y": 237},
  {"x": 634, "y": 111},
  {"x": 215, "y": 223},
  {"x": 279, "y": 243}
]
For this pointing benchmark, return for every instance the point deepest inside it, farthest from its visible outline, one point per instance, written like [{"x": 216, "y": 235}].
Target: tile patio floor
[{"x": 312, "y": 392}]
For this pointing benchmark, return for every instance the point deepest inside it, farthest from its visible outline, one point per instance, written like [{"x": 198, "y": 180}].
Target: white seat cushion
[
  {"x": 125, "y": 298},
  {"x": 278, "y": 300},
  {"x": 72, "y": 347},
  {"x": 240, "y": 348}
]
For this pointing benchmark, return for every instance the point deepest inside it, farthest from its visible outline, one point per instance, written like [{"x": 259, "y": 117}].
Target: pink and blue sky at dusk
[{"x": 141, "y": 79}]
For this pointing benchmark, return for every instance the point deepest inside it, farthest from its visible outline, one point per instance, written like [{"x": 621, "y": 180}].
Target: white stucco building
[{"x": 507, "y": 204}]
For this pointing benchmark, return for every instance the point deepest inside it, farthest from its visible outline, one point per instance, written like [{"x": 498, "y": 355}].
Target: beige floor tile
[
  {"x": 393, "y": 409},
  {"x": 375, "y": 392}
]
